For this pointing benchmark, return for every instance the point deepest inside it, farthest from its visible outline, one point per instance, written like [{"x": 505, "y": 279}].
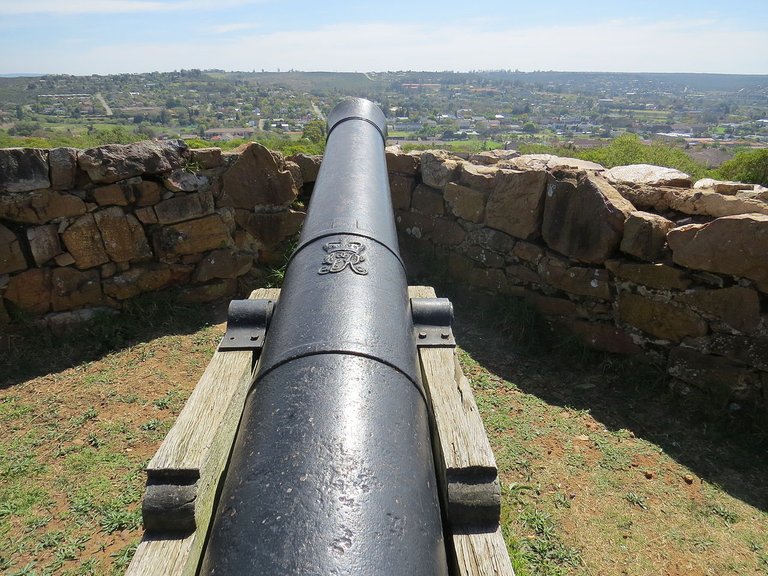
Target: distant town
[{"x": 709, "y": 115}]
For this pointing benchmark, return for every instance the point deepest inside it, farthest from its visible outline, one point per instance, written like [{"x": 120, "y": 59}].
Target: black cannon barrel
[{"x": 332, "y": 469}]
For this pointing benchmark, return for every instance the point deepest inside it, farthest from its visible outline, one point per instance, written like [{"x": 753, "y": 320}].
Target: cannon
[{"x": 332, "y": 470}]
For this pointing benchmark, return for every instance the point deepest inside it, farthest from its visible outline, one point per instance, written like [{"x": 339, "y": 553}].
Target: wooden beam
[{"x": 184, "y": 474}]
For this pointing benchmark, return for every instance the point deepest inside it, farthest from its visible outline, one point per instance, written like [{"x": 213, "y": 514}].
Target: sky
[{"x": 127, "y": 36}]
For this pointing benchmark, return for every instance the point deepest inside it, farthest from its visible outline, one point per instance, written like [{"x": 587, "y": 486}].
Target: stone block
[
  {"x": 271, "y": 228},
  {"x": 550, "y": 305},
  {"x": 515, "y": 206},
  {"x": 645, "y": 235},
  {"x": 123, "y": 235},
  {"x": 448, "y": 232},
  {"x": 465, "y": 203},
  {"x": 259, "y": 178},
  {"x": 147, "y": 192},
  {"x": 11, "y": 256},
  {"x": 114, "y": 162},
  {"x": 737, "y": 307},
  {"x": 191, "y": 237},
  {"x": 658, "y": 275},
  {"x": 528, "y": 252},
  {"x": 82, "y": 240},
  {"x": 23, "y": 169},
  {"x": 648, "y": 175},
  {"x": 485, "y": 257},
  {"x": 399, "y": 162},
  {"x": 725, "y": 380},
  {"x": 491, "y": 240},
  {"x": 414, "y": 225},
  {"x": 438, "y": 168},
  {"x": 490, "y": 279},
  {"x": 117, "y": 194},
  {"x": 64, "y": 259},
  {"x": 401, "y": 188},
  {"x": 227, "y": 263},
  {"x": 184, "y": 207},
  {"x": 734, "y": 245},
  {"x": 44, "y": 243},
  {"x": 63, "y": 164},
  {"x": 31, "y": 290},
  {"x": 73, "y": 288},
  {"x": 604, "y": 337},
  {"x": 522, "y": 274},
  {"x": 479, "y": 178},
  {"x": 182, "y": 180},
  {"x": 583, "y": 217},
  {"x": 146, "y": 215},
  {"x": 660, "y": 319},
  {"x": 750, "y": 350},
  {"x": 39, "y": 206},
  {"x": 148, "y": 278},
  {"x": 206, "y": 158},
  {"x": 217, "y": 290},
  {"x": 309, "y": 165},
  {"x": 593, "y": 282},
  {"x": 428, "y": 201}
]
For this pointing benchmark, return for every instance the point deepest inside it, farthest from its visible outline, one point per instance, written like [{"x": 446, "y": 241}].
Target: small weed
[
  {"x": 562, "y": 500},
  {"x": 636, "y": 500},
  {"x": 114, "y": 519},
  {"x": 89, "y": 414},
  {"x": 727, "y": 515},
  {"x": 123, "y": 558},
  {"x": 153, "y": 424}
]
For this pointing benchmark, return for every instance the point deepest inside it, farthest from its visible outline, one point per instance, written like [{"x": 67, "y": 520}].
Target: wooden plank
[
  {"x": 469, "y": 479},
  {"x": 481, "y": 553},
  {"x": 184, "y": 474}
]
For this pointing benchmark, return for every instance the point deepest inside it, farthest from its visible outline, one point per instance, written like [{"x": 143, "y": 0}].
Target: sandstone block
[
  {"x": 63, "y": 163},
  {"x": 23, "y": 169},
  {"x": 184, "y": 207},
  {"x": 414, "y": 225},
  {"x": 660, "y": 319},
  {"x": 39, "y": 206},
  {"x": 645, "y": 235},
  {"x": 658, "y": 275},
  {"x": 399, "y": 162},
  {"x": 550, "y": 305},
  {"x": 737, "y": 307},
  {"x": 259, "y": 178},
  {"x": 44, "y": 242},
  {"x": 271, "y": 228},
  {"x": 480, "y": 178},
  {"x": 725, "y": 187},
  {"x": 309, "y": 165},
  {"x": 147, "y": 193},
  {"x": 64, "y": 259},
  {"x": 11, "y": 257},
  {"x": 583, "y": 216},
  {"x": 438, "y": 168},
  {"x": 594, "y": 282},
  {"x": 516, "y": 203},
  {"x": 146, "y": 215},
  {"x": 149, "y": 278},
  {"x": 603, "y": 336},
  {"x": 83, "y": 241},
  {"x": 113, "y": 162},
  {"x": 401, "y": 188},
  {"x": 5, "y": 318},
  {"x": 485, "y": 257},
  {"x": 428, "y": 201},
  {"x": 73, "y": 288},
  {"x": 527, "y": 252},
  {"x": 209, "y": 292},
  {"x": 123, "y": 235},
  {"x": 491, "y": 240},
  {"x": 491, "y": 157},
  {"x": 227, "y": 263},
  {"x": 750, "y": 350},
  {"x": 490, "y": 279},
  {"x": 465, "y": 203},
  {"x": 725, "y": 380},
  {"x": 191, "y": 237},
  {"x": 206, "y": 158},
  {"x": 522, "y": 273},
  {"x": 646, "y": 174},
  {"x": 734, "y": 245},
  {"x": 448, "y": 232},
  {"x": 695, "y": 202},
  {"x": 31, "y": 290},
  {"x": 526, "y": 162},
  {"x": 460, "y": 267},
  {"x": 117, "y": 194},
  {"x": 181, "y": 180}
]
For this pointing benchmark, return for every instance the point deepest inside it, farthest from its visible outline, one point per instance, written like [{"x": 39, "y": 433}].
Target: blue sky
[{"x": 115, "y": 36}]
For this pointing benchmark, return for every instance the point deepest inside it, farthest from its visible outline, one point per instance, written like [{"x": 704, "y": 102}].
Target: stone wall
[
  {"x": 86, "y": 230},
  {"x": 635, "y": 259}
]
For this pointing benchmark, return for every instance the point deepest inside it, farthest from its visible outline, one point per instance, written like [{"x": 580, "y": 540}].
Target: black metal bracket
[
  {"x": 247, "y": 323},
  {"x": 432, "y": 321}
]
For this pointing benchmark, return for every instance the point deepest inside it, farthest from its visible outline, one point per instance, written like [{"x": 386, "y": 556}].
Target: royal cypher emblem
[{"x": 343, "y": 253}]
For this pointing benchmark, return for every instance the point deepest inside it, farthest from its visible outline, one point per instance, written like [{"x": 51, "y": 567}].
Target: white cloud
[
  {"x": 9, "y": 7},
  {"x": 234, "y": 27},
  {"x": 617, "y": 45}
]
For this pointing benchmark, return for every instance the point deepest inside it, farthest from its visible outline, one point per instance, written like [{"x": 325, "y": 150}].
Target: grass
[{"x": 601, "y": 473}]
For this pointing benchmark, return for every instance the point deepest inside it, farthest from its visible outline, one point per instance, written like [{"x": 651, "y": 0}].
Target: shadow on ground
[
  {"x": 729, "y": 454},
  {"x": 27, "y": 351}
]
